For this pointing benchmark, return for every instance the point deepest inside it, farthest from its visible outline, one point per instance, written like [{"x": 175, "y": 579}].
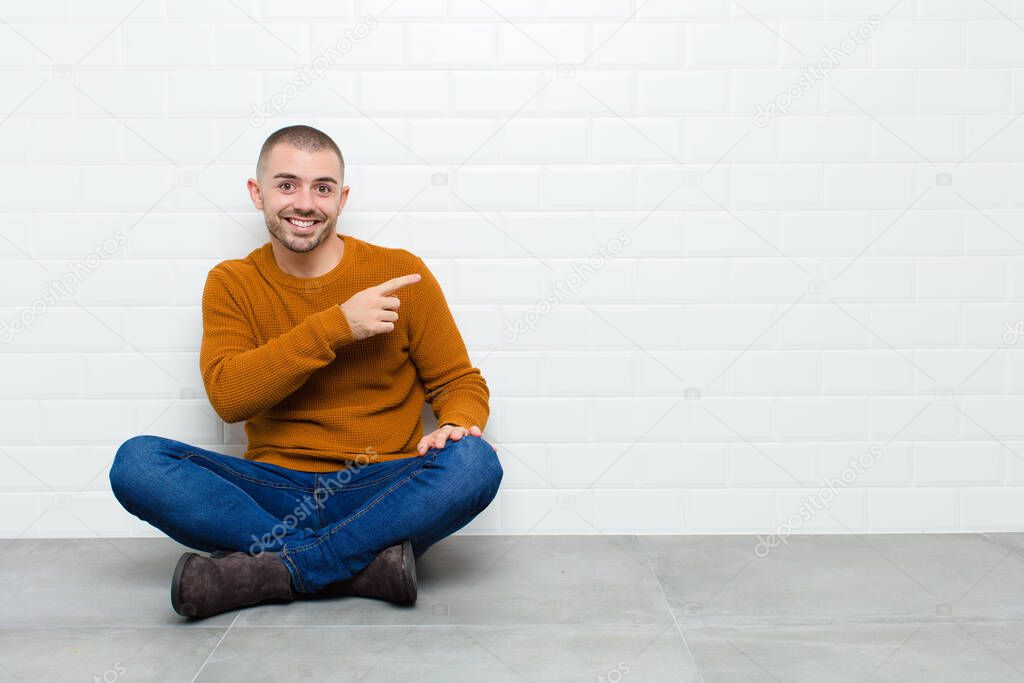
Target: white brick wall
[{"x": 845, "y": 275}]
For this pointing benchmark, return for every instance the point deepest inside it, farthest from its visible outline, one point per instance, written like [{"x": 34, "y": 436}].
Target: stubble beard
[{"x": 300, "y": 244}]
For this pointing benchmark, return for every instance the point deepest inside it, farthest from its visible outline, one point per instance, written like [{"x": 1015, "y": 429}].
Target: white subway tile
[
  {"x": 542, "y": 44},
  {"x": 864, "y": 372},
  {"x": 807, "y": 265},
  {"x": 638, "y": 44},
  {"x": 737, "y": 43},
  {"x": 150, "y": 45},
  {"x": 257, "y": 45},
  {"x": 503, "y": 94},
  {"x": 374, "y": 41},
  {"x": 919, "y": 44},
  {"x": 950, "y": 464},
  {"x": 994, "y": 43},
  {"x": 828, "y": 418},
  {"x": 913, "y": 510},
  {"x": 437, "y": 44},
  {"x": 729, "y": 510},
  {"x": 964, "y": 91},
  {"x": 776, "y": 373},
  {"x": 682, "y": 92},
  {"x": 990, "y": 509}
]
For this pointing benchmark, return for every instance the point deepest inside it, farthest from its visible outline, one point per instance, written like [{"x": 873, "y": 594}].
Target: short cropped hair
[{"x": 306, "y": 138}]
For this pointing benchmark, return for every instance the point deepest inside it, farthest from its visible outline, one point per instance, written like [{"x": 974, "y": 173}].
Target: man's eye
[
  {"x": 282, "y": 185},
  {"x": 326, "y": 188}
]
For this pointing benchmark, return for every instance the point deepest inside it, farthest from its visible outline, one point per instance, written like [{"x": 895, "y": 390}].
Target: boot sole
[{"x": 176, "y": 585}]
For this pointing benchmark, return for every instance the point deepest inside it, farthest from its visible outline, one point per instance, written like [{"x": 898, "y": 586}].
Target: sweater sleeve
[
  {"x": 456, "y": 391},
  {"x": 242, "y": 378}
]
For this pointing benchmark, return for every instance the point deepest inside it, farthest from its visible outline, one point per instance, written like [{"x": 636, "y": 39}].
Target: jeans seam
[
  {"x": 295, "y": 573},
  {"x": 244, "y": 476},
  {"x": 316, "y": 500},
  {"x": 364, "y": 484},
  {"x": 359, "y": 514}
]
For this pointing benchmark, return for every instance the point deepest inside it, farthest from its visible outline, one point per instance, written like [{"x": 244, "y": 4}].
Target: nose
[{"x": 304, "y": 202}]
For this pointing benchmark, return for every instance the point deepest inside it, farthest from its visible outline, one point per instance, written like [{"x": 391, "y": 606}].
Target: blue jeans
[{"x": 326, "y": 525}]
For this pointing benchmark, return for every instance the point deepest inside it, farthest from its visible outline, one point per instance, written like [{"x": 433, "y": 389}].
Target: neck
[{"x": 320, "y": 260}]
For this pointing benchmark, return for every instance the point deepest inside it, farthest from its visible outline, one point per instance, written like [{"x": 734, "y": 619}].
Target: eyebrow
[{"x": 292, "y": 176}]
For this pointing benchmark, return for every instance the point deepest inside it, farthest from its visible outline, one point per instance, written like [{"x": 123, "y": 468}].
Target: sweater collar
[{"x": 266, "y": 263}]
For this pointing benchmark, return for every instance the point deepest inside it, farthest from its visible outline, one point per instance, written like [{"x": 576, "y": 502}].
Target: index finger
[{"x": 394, "y": 283}]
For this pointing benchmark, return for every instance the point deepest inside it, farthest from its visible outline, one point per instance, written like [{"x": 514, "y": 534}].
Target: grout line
[
  {"x": 732, "y": 620},
  {"x": 664, "y": 597},
  {"x": 222, "y": 637}
]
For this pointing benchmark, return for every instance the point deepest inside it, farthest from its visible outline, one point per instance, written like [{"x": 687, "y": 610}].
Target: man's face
[{"x": 301, "y": 196}]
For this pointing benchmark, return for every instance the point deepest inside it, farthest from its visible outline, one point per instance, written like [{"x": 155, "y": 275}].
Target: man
[{"x": 327, "y": 347}]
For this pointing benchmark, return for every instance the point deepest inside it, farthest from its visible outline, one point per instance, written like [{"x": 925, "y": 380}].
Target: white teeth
[{"x": 301, "y": 224}]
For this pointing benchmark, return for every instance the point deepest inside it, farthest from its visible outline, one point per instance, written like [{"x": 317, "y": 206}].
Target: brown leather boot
[
  {"x": 391, "y": 576},
  {"x": 204, "y": 586}
]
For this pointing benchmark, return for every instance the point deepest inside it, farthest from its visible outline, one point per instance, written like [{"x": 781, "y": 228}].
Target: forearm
[
  {"x": 463, "y": 402},
  {"x": 455, "y": 389},
  {"x": 241, "y": 384}
]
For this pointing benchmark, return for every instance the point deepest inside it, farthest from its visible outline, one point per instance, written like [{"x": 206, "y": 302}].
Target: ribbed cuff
[
  {"x": 335, "y": 326},
  {"x": 460, "y": 420}
]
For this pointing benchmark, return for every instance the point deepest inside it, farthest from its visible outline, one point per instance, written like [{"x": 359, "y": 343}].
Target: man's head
[{"x": 300, "y": 175}]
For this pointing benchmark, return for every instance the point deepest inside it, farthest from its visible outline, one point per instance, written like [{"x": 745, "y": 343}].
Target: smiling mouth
[{"x": 302, "y": 225}]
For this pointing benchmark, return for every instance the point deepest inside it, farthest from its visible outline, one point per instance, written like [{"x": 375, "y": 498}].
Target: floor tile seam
[
  {"x": 672, "y": 613},
  {"x": 824, "y": 621},
  {"x": 214, "y": 650}
]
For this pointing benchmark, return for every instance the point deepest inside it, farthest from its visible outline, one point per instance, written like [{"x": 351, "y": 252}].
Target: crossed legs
[{"x": 327, "y": 526}]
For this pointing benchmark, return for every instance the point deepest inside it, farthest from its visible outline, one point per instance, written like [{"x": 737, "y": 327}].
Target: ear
[{"x": 255, "y": 193}]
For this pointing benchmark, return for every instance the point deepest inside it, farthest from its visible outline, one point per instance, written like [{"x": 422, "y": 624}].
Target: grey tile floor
[{"x": 918, "y": 607}]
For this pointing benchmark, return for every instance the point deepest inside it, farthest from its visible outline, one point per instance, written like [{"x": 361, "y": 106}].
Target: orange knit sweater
[{"x": 278, "y": 353}]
